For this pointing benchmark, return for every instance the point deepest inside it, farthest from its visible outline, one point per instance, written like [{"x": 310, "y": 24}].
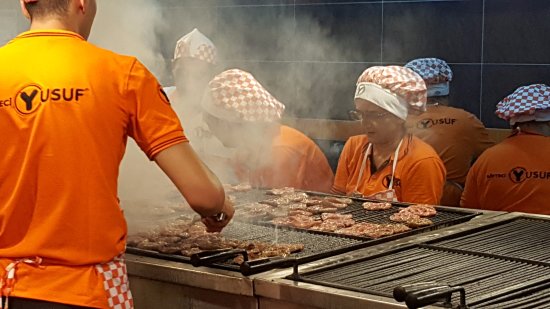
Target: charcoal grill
[
  {"x": 504, "y": 264},
  {"x": 317, "y": 244}
]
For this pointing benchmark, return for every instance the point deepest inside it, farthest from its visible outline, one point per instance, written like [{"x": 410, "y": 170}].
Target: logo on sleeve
[
  {"x": 29, "y": 99},
  {"x": 164, "y": 97}
]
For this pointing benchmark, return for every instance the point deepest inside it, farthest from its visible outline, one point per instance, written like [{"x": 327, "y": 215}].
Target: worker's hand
[{"x": 216, "y": 224}]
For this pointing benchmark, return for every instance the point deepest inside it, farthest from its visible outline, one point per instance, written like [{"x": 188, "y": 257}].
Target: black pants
[{"x": 24, "y": 303}]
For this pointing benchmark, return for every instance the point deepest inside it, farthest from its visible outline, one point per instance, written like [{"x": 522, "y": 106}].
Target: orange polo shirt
[
  {"x": 455, "y": 134},
  {"x": 419, "y": 175},
  {"x": 296, "y": 161},
  {"x": 66, "y": 110},
  {"x": 514, "y": 175}
]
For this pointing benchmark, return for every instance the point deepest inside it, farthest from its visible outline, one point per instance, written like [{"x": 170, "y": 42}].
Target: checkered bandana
[
  {"x": 235, "y": 95},
  {"x": 432, "y": 70},
  {"x": 525, "y": 103},
  {"x": 405, "y": 84},
  {"x": 196, "y": 45}
]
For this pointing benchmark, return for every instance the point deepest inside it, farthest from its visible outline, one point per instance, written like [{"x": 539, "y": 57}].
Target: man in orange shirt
[
  {"x": 67, "y": 108},
  {"x": 386, "y": 163},
  {"x": 245, "y": 117},
  {"x": 514, "y": 175},
  {"x": 455, "y": 134}
]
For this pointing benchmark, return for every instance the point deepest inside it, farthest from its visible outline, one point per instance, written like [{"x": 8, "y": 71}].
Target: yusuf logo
[
  {"x": 518, "y": 175},
  {"x": 27, "y": 100}
]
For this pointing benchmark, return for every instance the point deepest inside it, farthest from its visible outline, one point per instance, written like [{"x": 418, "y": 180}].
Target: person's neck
[
  {"x": 387, "y": 149},
  {"x": 538, "y": 129},
  {"x": 52, "y": 23}
]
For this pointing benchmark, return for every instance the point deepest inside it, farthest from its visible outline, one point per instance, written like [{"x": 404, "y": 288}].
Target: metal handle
[
  {"x": 253, "y": 267},
  {"x": 207, "y": 258},
  {"x": 400, "y": 293},
  {"x": 430, "y": 296}
]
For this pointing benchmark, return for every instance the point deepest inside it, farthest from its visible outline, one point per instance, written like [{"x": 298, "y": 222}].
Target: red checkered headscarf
[
  {"x": 235, "y": 95},
  {"x": 197, "y": 46},
  {"x": 527, "y": 103},
  {"x": 393, "y": 88},
  {"x": 436, "y": 73}
]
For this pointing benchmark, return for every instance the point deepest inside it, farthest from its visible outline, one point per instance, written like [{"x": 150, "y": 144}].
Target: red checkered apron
[
  {"x": 387, "y": 195},
  {"x": 115, "y": 282}
]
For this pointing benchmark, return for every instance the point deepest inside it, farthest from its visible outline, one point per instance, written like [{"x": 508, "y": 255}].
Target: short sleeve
[{"x": 153, "y": 123}]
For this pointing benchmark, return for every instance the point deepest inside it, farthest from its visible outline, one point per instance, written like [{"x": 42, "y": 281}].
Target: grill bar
[
  {"x": 484, "y": 276},
  {"x": 521, "y": 237}
]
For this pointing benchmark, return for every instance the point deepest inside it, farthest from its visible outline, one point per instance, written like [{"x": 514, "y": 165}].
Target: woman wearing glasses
[{"x": 386, "y": 162}]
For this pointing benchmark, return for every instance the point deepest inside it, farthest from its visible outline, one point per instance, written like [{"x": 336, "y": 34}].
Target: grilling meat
[
  {"x": 254, "y": 211},
  {"x": 333, "y": 216},
  {"x": 320, "y": 209},
  {"x": 276, "y": 202},
  {"x": 339, "y": 200},
  {"x": 312, "y": 202},
  {"x": 376, "y": 206},
  {"x": 331, "y": 225},
  {"x": 280, "y": 191},
  {"x": 423, "y": 210},
  {"x": 196, "y": 240},
  {"x": 300, "y": 212},
  {"x": 410, "y": 219},
  {"x": 296, "y": 197}
]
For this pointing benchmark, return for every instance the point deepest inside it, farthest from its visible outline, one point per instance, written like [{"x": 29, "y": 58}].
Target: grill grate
[
  {"x": 313, "y": 243},
  {"x": 519, "y": 238},
  {"x": 317, "y": 244},
  {"x": 482, "y": 276}
]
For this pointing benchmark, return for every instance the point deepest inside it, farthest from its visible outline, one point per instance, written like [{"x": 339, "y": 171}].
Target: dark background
[{"x": 493, "y": 46}]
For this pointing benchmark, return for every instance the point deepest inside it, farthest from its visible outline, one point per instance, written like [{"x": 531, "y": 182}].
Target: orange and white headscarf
[
  {"x": 527, "y": 103},
  {"x": 197, "y": 46},
  {"x": 235, "y": 95},
  {"x": 393, "y": 88}
]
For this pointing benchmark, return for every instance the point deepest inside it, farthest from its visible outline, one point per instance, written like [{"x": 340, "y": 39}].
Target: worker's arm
[{"x": 200, "y": 187}]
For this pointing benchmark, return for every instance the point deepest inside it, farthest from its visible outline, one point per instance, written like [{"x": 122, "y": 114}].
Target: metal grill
[
  {"x": 444, "y": 217},
  {"x": 317, "y": 244},
  {"x": 519, "y": 238},
  {"x": 484, "y": 277}
]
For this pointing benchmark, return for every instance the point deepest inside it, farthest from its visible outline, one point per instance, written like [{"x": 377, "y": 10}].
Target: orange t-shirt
[
  {"x": 296, "y": 161},
  {"x": 513, "y": 175},
  {"x": 455, "y": 134},
  {"x": 419, "y": 174},
  {"x": 66, "y": 110}
]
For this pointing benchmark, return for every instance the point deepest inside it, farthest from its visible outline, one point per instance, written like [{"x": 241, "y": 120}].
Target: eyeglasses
[{"x": 359, "y": 115}]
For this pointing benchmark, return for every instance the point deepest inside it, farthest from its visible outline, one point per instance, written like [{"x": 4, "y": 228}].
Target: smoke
[
  {"x": 131, "y": 28},
  {"x": 284, "y": 58}
]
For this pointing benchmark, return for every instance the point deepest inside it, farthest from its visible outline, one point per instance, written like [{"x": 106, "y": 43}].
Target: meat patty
[
  {"x": 376, "y": 206},
  {"x": 423, "y": 210},
  {"x": 276, "y": 202},
  {"x": 280, "y": 191},
  {"x": 320, "y": 209},
  {"x": 296, "y": 197},
  {"x": 334, "y": 216}
]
